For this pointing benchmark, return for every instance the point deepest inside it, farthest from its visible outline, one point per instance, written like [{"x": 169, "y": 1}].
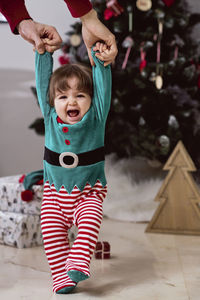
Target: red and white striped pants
[{"x": 59, "y": 212}]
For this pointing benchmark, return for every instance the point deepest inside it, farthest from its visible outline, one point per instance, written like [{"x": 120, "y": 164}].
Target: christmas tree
[
  {"x": 179, "y": 197},
  {"x": 156, "y": 76}
]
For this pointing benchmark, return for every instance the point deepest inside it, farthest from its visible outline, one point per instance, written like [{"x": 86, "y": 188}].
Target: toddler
[{"x": 75, "y": 103}]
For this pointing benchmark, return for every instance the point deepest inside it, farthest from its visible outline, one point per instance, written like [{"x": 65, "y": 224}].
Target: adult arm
[
  {"x": 43, "y": 71},
  {"x": 93, "y": 30},
  {"x": 15, "y": 10},
  {"x": 43, "y": 37},
  {"x": 20, "y": 22},
  {"x": 78, "y": 8}
]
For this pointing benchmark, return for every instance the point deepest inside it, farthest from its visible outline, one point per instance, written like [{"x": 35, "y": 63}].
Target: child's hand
[{"x": 104, "y": 54}]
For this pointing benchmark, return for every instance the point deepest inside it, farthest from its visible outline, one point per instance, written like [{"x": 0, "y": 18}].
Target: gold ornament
[
  {"x": 75, "y": 40},
  {"x": 144, "y": 5},
  {"x": 159, "y": 82},
  {"x": 160, "y": 27}
]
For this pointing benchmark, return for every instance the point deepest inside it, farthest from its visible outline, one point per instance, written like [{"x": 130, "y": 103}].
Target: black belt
[{"x": 72, "y": 160}]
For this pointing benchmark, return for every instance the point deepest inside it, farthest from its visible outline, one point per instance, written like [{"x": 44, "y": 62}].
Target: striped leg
[
  {"x": 54, "y": 229},
  {"x": 88, "y": 217}
]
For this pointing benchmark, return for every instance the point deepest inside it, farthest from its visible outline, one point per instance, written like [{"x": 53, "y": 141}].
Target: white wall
[
  {"x": 15, "y": 53},
  {"x": 21, "y": 149}
]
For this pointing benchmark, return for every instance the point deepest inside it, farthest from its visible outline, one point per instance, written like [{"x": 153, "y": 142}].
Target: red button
[
  {"x": 65, "y": 129},
  {"x": 67, "y": 142}
]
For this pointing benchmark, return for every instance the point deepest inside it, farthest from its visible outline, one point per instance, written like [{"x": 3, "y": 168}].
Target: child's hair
[{"x": 58, "y": 81}]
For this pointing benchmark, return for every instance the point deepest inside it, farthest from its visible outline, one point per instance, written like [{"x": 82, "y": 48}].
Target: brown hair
[{"x": 58, "y": 81}]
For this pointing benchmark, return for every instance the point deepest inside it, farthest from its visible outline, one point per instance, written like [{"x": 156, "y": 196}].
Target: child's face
[{"x": 72, "y": 104}]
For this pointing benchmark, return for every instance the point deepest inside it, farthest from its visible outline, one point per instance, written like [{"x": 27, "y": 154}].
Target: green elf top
[{"x": 81, "y": 160}]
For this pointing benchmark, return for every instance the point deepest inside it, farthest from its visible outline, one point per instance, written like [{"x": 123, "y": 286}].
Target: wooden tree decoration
[{"x": 179, "y": 197}]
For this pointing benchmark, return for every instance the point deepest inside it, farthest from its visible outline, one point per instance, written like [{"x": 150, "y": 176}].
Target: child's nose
[{"x": 72, "y": 101}]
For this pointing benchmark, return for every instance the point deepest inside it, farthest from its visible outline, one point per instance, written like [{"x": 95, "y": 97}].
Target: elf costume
[{"x": 75, "y": 183}]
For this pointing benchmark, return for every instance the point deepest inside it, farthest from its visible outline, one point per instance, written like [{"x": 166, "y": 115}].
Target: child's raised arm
[
  {"x": 102, "y": 83},
  {"x": 43, "y": 71}
]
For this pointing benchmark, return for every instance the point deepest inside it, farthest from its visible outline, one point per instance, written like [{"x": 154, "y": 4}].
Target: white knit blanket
[{"x": 132, "y": 187}]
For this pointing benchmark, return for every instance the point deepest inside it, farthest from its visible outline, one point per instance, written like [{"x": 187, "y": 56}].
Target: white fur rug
[{"x": 132, "y": 187}]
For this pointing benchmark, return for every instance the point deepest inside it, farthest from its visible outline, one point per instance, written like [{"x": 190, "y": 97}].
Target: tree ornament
[
  {"x": 160, "y": 27},
  {"x": 176, "y": 53},
  {"x": 117, "y": 27},
  {"x": 75, "y": 40},
  {"x": 144, "y": 5},
  {"x": 127, "y": 43},
  {"x": 172, "y": 122},
  {"x": 177, "y": 41},
  {"x": 158, "y": 79},
  {"x": 168, "y": 2},
  {"x": 182, "y": 22},
  {"x": 152, "y": 76},
  {"x": 143, "y": 62},
  {"x": 169, "y": 22},
  {"x": 142, "y": 121},
  {"x": 114, "y": 6},
  {"x": 108, "y": 14},
  {"x": 164, "y": 142},
  {"x": 118, "y": 107},
  {"x": 159, "y": 82},
  {"x": 160, "y": 14},
  {"x": 64, "y": 59},
  {"x": 130, "y": 17}
]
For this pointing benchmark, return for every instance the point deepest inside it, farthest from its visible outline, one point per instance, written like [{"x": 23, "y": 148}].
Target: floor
[{"x": 143, "y": 266}]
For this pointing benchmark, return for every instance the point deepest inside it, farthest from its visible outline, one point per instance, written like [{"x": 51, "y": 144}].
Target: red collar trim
[{"x": 59, "y": 120}]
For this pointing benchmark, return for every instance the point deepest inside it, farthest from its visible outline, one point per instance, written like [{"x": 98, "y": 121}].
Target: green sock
[
  {"x": 66, "y": 289},
  {"x": 77, "y": 275}
]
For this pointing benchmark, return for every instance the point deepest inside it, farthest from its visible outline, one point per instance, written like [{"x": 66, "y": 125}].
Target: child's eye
[
  {"x": 62, "y": 97},
  {"x": 80, "y": 95}
]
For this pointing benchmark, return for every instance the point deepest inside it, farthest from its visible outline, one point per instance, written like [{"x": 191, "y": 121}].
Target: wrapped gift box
[
  {"x": 20, "y": 220},
  {"x": 20, "y": 230},
  {"x": 102, "y": 250},
  {"x": 10, "y": 196}
]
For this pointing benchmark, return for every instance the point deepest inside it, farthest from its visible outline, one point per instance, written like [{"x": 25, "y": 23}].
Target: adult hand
[
  {"x": 43, "y": 37},
  {"x": 103, "y": 51},
  {"x": 92, "y": 31}
]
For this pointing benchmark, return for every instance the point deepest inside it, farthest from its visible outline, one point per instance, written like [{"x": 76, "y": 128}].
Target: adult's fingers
[
  {"x": 106, "y": 62},
  {"x": 90, "y": 56},
  {"x": 51, "y": 45},
  {"x": 49, "y": 36},
  {"x": 39, "y": 46},
  {"x": 53, "y": 40},
  {"x": 50, "y": 48}
]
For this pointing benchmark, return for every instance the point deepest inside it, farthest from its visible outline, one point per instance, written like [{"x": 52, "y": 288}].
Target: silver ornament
[{"x": 172, "y": 122}]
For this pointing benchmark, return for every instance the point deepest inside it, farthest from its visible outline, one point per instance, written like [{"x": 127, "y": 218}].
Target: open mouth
[{"x": 72, "y": 113}]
